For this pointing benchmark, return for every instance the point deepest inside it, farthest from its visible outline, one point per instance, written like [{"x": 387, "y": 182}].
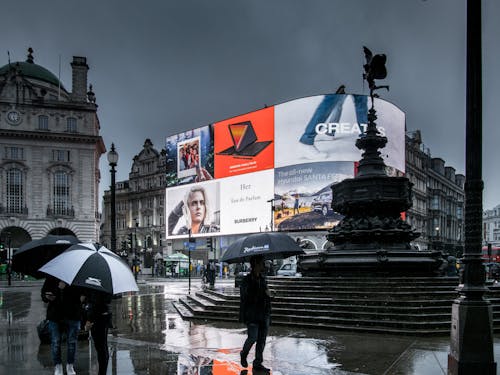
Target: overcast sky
[{"x": 159, "y": 67}]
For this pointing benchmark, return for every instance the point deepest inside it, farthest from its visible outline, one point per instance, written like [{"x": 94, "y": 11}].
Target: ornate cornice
[
  {"x": 52, "y": 104},
  {"x": 51, "y": 137}
]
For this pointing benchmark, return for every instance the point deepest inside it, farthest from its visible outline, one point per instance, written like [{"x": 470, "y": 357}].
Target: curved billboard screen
[{"x": 272, "y": 169}]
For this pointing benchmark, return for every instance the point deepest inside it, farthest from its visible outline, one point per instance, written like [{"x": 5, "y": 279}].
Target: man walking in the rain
[{"x": 255, "y": 312}]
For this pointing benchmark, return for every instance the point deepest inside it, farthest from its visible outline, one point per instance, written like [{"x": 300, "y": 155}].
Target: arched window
[
  {"x": 15, "y": 191},
  {"x": 61, "y": 196}
]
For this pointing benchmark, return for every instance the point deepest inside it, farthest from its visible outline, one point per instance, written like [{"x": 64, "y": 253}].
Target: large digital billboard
[{"x": 272, "y": 169}]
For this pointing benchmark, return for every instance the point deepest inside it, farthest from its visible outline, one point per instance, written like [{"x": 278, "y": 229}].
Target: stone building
[
  {"x": 446, "y": 207},
  {"x": 49, "y": 153},
  {"x": 139, "y": 203},
  {"x": 438, "y": 199},
  {"x": 417, "y": 165},
  {"x": 491, "y": 226}
]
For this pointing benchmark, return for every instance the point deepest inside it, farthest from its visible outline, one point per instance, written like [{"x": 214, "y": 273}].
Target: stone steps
[{"x": 393, "y": 306}]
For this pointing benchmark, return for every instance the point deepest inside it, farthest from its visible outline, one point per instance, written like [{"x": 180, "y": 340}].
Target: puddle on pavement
[{"x": 150, "y": 337}]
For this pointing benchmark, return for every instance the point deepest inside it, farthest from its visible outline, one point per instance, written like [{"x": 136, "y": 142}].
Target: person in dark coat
[
  {"x": 64, "y": 314},
  {"x": 255, "y": 312},
  {"x": 98, "y": 321}
]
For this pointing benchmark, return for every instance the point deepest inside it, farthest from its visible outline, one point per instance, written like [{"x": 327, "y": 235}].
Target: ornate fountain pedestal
[{"x": 372, "y": 238}]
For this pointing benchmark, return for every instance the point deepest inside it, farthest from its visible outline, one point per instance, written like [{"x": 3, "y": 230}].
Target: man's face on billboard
[{"x": 196, "y": 203}]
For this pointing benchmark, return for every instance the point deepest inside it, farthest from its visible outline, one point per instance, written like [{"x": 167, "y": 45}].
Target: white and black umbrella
[
  {"x": 92, "y": 266},
  {"x": 271, "y": 245}
]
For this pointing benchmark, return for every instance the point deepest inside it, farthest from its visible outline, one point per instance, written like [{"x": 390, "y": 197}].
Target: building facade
[
  {"x": 49, "y": 154},
  {"x": 446, "y": 197},
  {"x": 491, "y": 226},
  {"x": 438, "y": 199},
  {"x": 139, "y": 204},
  {"x": 417, "y": 165}
]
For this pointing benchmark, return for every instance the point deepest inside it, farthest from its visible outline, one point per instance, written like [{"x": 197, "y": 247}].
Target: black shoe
[
  {"x": 243, "y": 359},
  {"x": 261, "y": 368}
]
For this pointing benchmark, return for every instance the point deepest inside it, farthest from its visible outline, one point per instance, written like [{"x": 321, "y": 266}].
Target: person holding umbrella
[
  {"x": 100, "y": 274},
  {"x": 98, "y": 321},
  {"x": 63, "y": 314},
  {"x": 255, "y": 312}
]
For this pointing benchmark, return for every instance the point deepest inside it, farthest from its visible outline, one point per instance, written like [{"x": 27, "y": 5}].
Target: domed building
[{"x": 50, "y": 148}]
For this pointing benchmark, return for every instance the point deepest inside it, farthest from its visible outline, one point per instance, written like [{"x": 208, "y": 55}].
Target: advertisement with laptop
[{"x": 244, "y": 144}]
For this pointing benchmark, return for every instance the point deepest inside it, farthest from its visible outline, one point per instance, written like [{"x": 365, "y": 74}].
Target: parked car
[
  {"x": 322, "y": 203},
  {"x": 287, "y": 269}
]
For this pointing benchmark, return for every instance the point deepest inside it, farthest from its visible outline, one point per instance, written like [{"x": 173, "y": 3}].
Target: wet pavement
[{"x": 150, "y": 338}]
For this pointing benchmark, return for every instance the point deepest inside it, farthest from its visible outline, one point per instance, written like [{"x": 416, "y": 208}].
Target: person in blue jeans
[
  {"x": 64, "y": 314},
  {"x": 330, "y": 109},
  {"x": 255, "y": 312}
]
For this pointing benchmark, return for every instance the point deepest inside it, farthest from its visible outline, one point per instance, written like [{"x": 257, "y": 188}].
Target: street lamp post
[
  {"x": 9, "y": 259},
  {"x": 471, "y": 345},
  {"x": 272, "y": 213},
  {"x": 437, "y": 243},
  {"x": 136, "y": 259},
  {"x": 113, "y": 160}
]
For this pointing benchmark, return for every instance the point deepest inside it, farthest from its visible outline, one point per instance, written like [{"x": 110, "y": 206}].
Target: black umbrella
[
  {"x": 34, "y": 254},
  {"x": 271, "y": 245}
]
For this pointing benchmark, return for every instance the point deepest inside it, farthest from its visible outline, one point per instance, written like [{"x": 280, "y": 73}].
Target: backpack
[{"x": 43, "y": 331}]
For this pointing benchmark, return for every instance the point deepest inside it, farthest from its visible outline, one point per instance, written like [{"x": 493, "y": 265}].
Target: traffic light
[
  {"x": 209, "y": 243},
  {"x": 1, "y": 246},
  {"x": 129, "y": 240}
]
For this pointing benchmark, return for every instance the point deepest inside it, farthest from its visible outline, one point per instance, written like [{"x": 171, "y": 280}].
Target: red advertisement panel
[{"x": 244, "y": 144}]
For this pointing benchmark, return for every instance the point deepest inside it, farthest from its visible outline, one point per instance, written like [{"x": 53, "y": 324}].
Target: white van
[{"x": 288, "y": 269}]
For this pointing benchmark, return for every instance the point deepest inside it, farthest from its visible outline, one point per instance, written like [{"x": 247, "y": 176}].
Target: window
[
  {"x": 15, "y": 191},
  {"x": 43, "y": 123},
  {"x": 71, "y": 124},
  {"x": 60, "y": 155},
  {"x": 14, "y": 153},
  {"x": 435, "y": 202},
  {"x": 61, "y": 193}
]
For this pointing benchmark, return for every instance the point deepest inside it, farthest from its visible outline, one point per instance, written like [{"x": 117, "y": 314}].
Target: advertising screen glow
[{"x": 272, "y": 169}]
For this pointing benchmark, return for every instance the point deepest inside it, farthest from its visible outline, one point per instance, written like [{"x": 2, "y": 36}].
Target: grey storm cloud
[{"x": 159, "y": 67}]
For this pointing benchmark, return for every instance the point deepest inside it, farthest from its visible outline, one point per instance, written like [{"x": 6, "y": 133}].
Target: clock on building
[{"x": 14, "y": 117}]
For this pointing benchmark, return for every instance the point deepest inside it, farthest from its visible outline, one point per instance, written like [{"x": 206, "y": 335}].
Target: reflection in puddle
[{"x": 14, "y": 305}]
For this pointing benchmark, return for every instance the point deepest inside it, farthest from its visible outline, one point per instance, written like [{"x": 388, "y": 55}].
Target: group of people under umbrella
[
  {"x": 80, "y": 281},
  {"x": 82, "y": 278}
]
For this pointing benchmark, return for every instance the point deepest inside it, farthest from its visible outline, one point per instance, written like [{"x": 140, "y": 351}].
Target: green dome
[{"x": 32, "y": 70}]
